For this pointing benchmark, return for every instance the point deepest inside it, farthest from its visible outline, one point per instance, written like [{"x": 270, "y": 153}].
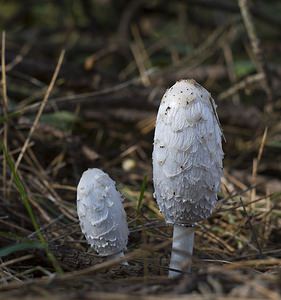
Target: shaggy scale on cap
[
  {"x": 187, "y": 154},
  {"x": 101, "y": 213}
]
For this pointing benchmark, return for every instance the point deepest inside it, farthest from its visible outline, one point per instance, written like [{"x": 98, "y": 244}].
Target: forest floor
[{"x": 94, "y": 104}]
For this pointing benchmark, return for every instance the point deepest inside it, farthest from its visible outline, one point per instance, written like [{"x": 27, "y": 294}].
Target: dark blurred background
[
  {"x": 145, "y": 46},
  {"x": 120, "y": 57}
]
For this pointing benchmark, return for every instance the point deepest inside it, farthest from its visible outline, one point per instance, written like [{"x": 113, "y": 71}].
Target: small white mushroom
[
  {"x": 101, "y": 214},
  {"x": 187, "y": 164}
]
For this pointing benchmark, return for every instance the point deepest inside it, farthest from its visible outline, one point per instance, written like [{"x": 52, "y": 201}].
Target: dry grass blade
[
  {"x": 230, "y": 68},
  {"x": 26, "y": 202},
  {"x": 40, "y": 110},
  {"x": 256, "y": 162},
  {"x": 16, "y": 260},
  {"x": 5, "y": 109},
  {"x": 261, "y": 148},
  {"x": 83, "y": 96},
  {"x": 138, "y": 253},
  {"x": 255, "y": 43},
  {"x": 124, "y": 296},
  {"x": 254, "y": 233},
  {"x": 255, "y": 263},
  {"x": 242, "y": 85},
  {"x": 140, "y": 56}
]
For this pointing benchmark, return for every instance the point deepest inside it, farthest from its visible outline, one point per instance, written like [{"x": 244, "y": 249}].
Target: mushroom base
[{"x": 116, "y": 256}]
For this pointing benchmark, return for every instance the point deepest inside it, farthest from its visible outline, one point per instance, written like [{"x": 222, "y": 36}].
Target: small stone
[{"x": 128, "y": 164}]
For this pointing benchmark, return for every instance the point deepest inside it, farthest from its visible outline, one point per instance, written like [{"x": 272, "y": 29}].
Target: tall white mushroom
[
  {"x": 101, "y": 214},
  {"x": 187, "y": 164}
]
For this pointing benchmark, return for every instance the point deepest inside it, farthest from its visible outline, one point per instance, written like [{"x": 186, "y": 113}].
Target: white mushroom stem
[{"x": 182, "y": 249}]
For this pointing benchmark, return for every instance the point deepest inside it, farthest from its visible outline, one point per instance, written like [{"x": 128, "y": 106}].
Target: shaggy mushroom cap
[
  {"x": 101, "y": 213},
  {"x": 187, "y": 154}
]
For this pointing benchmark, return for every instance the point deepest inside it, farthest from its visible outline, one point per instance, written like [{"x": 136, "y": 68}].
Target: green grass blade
[
  {"x": 25, "y": 199},
  {"x": 10, "y": 115},
  {"x": 20, "y": 247}
]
